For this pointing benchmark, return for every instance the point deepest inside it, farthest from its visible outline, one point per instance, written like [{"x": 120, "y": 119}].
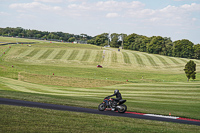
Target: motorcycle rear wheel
[
  {"x": 122, "y": 108},
  {"x": 102, "y": 107}
]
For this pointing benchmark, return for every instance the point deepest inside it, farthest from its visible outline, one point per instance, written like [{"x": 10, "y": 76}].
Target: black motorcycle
[{"x": 109, "y": 104}]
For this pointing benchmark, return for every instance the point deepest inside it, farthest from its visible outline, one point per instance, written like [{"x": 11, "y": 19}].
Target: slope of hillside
[
  {"x": 63, "y": 73},
  {"x": 109, "y": 58}
]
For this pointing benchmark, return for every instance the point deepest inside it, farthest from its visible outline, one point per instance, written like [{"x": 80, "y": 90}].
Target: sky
[{"x": 177, "y": 19}]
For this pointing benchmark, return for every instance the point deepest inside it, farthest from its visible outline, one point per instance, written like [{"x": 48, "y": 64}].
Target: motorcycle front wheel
[
  {"x": 102, "y": 107},
  {"x": 122, "y": 108}
]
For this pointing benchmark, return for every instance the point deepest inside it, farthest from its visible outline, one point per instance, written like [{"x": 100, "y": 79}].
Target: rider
[{"x": 118, "y": 97}]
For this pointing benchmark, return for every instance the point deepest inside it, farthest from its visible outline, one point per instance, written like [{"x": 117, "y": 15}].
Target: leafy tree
[
  {"x": 101, "y": 40},
  {"x": 71, "y": 39},
  {"x": 156, "y": 45},
  {"x": 144, "y": 43},
  {"x": 44, "y": 37},
  {"x": 17, "y": 30},
  {"x": 167, "y": 49},
  {"x": 183, "y": 48},
  {"x": 122, "y": 36},
  {"x": 114, "y": 40},
  {"x": 129, "y": 41},
  {"x": 190, "y": 69},
  {"x": 1, "y": 31},
  {"x": 30, "y": 33},
  {"x": 90, "y": 41},
  {"x": 138, "y": 42},
  {"x": 56, "y": 37},
  {"x": 38, "y": 35},
  {"x": 197, "y": 51},
  {"x": 50, "y": 36},
  {"x": 20, "y": 35},
  {"x": 85, "y": 37},
  {"x": 98, "y": 40}
]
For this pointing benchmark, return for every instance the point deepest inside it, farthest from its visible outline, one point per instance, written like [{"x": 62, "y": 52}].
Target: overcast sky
[{"x": 177, "y": 19}]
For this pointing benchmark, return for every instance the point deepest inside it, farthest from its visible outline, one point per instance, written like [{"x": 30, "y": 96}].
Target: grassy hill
[
  {"x": 66, "y": 74},
  {"x": 90, "y": 54}
]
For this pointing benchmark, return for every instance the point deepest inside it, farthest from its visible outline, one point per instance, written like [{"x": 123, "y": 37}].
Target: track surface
[{"x": 94, "y": 111}]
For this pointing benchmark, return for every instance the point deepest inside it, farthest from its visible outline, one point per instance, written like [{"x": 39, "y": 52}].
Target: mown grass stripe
[
  {"x": 3, "y": 48},
  {"x": 165, "y": 63},
  {"x": 92, "y": 56},
  {"x": 40, "y": 53},
  {"x": 114, "y": 57},
  {"x": 175, "y": 61},
  {"x": 20, "y": 51},
  {"x": 33, "y": 52},
  {"x": 21, "y": 88},
  {"x": 25, "y": 52},
  {"x": 107, "y": 58},
  {"x": 46, "y": 54},
  {"x": 126, "y": 58},
  {"x": 86, "y": 55},
  {"x": 53, "y": 54},
  {"x": 67, "y": 54},
  {"x": 184, "y": 60},
  {"x": 120, "y": 58},
  {"x": 73, "y": 55},
  {"x": 75, "y": 92},
  {"x": 151, "y": 60},
  {"x": 99, "y": 56},
  {"x": 60, "y": 54},
  {"x": 139, "y": 59},
  {"x": 80, "y": 55}
]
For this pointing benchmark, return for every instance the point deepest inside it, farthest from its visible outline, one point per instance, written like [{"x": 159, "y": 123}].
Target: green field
[
  {"x": 22, "y": 119},
  {"x": 156, "y": 84}
]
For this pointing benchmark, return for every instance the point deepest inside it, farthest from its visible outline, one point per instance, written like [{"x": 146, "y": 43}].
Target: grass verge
[{"x": 24, "y": 119}]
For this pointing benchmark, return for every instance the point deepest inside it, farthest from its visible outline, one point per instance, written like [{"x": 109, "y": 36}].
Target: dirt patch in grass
[{"x": 66, "y": 81}]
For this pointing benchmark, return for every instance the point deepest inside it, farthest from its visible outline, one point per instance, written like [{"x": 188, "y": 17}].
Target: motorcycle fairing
[{"x": 121, "y": 101}]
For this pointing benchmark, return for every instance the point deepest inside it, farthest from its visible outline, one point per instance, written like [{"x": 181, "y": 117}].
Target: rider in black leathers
[{"x": 118, "y": 97}]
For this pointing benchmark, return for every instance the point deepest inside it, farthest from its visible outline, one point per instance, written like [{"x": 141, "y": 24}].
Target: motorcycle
[{"x": 109, "y": 104}]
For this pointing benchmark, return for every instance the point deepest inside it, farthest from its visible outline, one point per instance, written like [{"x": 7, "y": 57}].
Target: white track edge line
[{"x": 162, "y": 116}]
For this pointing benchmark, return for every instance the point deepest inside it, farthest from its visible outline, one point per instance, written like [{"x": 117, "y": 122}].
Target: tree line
[
  {"x": 27, "y": 33},
  {"x": 155, "y": 44}
]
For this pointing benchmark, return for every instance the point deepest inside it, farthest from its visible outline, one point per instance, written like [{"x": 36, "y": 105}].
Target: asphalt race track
[{"x": 95, "y": 111}]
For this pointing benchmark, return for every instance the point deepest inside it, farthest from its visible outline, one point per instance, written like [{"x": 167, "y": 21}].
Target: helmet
[{"x": 116, "y": 91}]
